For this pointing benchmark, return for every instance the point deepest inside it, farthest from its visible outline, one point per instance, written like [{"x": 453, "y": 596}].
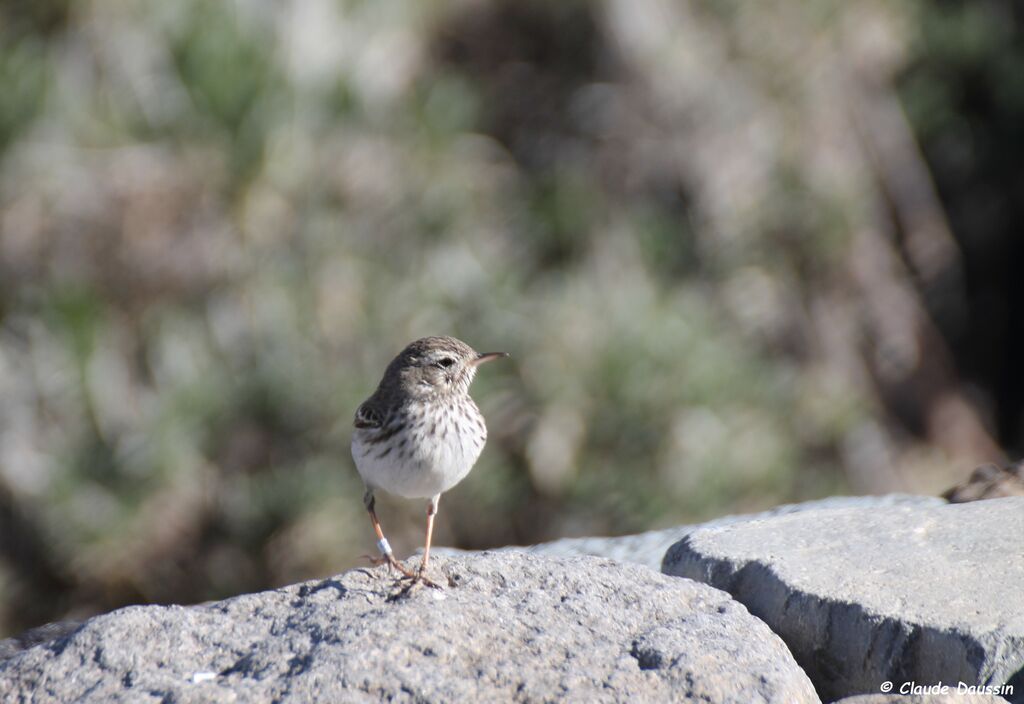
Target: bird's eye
[{"x": 445, "y": 362}]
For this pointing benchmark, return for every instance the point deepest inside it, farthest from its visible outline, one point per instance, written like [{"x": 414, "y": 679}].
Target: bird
[{"x": 420, "y": 433}]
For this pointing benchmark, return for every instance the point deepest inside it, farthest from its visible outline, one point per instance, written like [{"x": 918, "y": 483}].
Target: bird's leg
[
  {"x": 421, "y": 573},
  {"x": 382, "y": 543},
  {"x": 431, "y": 511}
]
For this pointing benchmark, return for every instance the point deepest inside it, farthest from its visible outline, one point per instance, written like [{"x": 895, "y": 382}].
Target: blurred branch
[
  {"x": 930, "y": 250},
  {"x": 989, "y": 481},
  {"x": 909, "y": 360}
]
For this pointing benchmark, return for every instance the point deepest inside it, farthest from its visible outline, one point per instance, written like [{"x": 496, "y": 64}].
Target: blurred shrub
[
  {"x": 23, "y": 73},
  {"x": 220, "y": 221}
]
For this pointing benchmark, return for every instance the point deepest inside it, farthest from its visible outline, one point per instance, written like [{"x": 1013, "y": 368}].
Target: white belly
[{"x": 421, "y": 468}]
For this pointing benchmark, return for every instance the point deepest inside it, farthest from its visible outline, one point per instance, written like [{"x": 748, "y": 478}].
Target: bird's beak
[{"x": 487, "y": 357}]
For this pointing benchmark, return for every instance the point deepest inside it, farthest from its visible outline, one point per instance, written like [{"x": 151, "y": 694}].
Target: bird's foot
[
  {"x": 415, "y": 580},
  {"x": 389, "y": 559},
  {"x": 421, "y": 578}
]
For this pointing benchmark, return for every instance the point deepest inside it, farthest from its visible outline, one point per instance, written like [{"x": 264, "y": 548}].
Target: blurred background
[{"x": 742, "y": 254}]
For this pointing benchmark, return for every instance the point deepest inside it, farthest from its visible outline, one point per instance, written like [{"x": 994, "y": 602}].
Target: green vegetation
[{"x": 220, "y": 221}]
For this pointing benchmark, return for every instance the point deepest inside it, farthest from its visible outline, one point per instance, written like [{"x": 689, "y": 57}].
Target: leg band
[{"x": 384, "y": 547}]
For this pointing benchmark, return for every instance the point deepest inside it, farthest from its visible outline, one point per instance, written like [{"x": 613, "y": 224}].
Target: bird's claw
[
  {"x": 417, "y": 577},
  {"x": 422, "y": 578},
  {"x": 395, "y": 564}
]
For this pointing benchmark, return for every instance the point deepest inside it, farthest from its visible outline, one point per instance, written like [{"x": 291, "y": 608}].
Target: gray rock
[
  {"x": 509, "y": 627},
  {"x": 649, "y": 548},
  {"x": 864, "y": 595}
]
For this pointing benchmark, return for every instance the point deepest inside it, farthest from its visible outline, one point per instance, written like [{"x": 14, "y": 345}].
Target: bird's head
[{"x": 434, "y": 367}]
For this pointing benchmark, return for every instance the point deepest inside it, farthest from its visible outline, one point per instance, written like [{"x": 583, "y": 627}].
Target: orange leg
[
  {"x": 431, "y": 511},
  {"x": 382, "y": 542}
]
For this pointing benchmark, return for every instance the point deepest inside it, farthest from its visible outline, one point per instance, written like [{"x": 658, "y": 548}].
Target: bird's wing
[{"x": 367, "y": 417}]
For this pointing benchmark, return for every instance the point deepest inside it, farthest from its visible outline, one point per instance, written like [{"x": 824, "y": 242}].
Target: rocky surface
[
  {"x": 649, "y": 548},
  {"x": 901, "y": 593},
  {"x": 508, "y": 627}
]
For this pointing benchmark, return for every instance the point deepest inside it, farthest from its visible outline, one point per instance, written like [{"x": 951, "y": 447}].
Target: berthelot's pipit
[{"x": 420, "y": 433}]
